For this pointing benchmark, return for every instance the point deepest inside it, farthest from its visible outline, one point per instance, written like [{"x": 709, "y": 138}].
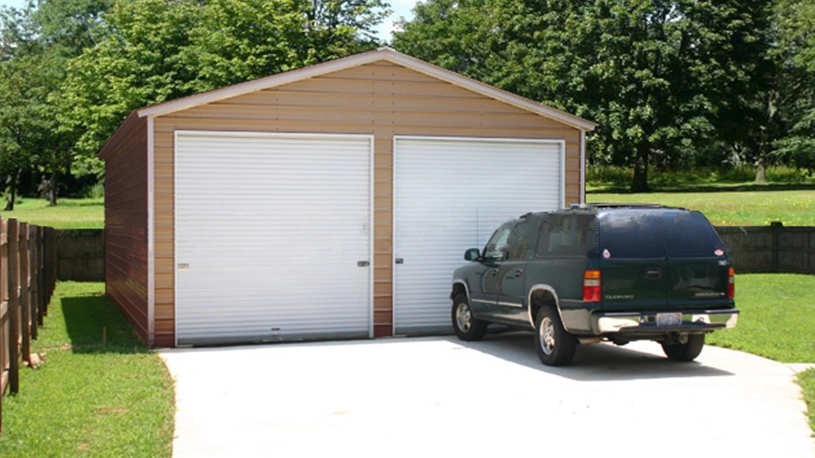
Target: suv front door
[
  {"x": 513, "y": 288},
  {"x": 485, "y": 283}
]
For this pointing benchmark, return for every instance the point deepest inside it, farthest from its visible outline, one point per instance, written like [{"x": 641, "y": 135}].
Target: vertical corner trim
[
  {"x": 582, "y": 166},
  {"x": 151, "y": 236}
]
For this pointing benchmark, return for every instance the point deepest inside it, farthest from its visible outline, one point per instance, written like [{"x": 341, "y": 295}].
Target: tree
[
  {"x": 661, "y": 77},
  {"x": 29, "y": 72},
  {"x": 796, "y": 91},
  {"x": 36, "y": 45},
  {"x": 155, "y": 50}
]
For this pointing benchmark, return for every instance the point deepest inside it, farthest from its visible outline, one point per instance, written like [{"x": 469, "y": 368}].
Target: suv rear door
[
  {"x": 697, "y": 263},
  {"x": 654, "y": 259},
  {"x": 633, "y": 260}
]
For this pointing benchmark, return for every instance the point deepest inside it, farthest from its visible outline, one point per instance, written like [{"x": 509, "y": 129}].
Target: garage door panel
[
  {"x": 269, "y": 233},
  {"x": 450, "y": 195}
]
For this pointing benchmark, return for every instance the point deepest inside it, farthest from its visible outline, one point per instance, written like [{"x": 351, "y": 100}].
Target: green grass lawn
[
  {"x": 807, "y": 382},
  {"x": 731, "y": 208},
  {"x": 777, "y": 321},
  {"x": 777, "y": 317},
  {"x": 68, "y": 214},
  {"x": 115, "y": 400}
]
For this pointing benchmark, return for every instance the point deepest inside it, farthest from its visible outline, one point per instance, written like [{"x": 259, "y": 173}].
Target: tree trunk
[
  {"x": 52, "y": 190},
  {"x": 11, "y": 196},
  {"x": 761, "y": 177},
  {"x": 640, "y": 182}
]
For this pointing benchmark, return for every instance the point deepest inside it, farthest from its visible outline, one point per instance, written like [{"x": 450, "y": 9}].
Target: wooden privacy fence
[
  {"x": 770, "y": 249},
  {"x": 27, "y": 280}
]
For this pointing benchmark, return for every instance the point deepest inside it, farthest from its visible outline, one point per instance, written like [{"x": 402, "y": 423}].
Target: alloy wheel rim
[
  {"x": 546, "y": 335},
  {"x": 463, "y": 317}
]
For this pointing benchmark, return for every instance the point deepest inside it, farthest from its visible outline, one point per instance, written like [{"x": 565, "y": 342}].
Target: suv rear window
[
  {"x": 632, "y": 234},
  {"x": 690, "y": 235},
  {"x": 643, "y": 234}
]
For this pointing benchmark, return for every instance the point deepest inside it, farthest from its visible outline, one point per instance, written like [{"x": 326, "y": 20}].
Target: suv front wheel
[
  {"x": 556, "y": 347},
  {"x": 466, "y": 325}
]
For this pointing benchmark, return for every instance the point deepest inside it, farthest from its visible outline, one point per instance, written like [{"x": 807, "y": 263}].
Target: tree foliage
[
  {"x": 665, "y": 79},
  {"x": 155, "y": 50},
  {"x": 796, "y": 57},
  {"x": 31, "y": 70}
]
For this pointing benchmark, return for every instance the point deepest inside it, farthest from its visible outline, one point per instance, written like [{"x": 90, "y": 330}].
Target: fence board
[
  {"x": 25, "y": 294},
  {"x": 13, "y": 306},
  {"x": 3, "y": 317}
]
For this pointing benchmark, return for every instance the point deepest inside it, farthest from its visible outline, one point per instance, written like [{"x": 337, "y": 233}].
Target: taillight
[
  {"x": 731, "y": 283},
  {"x": 591, "y": 286}
]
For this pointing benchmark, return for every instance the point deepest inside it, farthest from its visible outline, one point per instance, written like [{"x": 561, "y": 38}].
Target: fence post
[
  {"x": 776, "y": 227},
  {"x": 13, "y": 307},
  {"x": 51, "y": 262},
  {"x": 35, "y": 308},
  {"x": 25, "y": 293}
]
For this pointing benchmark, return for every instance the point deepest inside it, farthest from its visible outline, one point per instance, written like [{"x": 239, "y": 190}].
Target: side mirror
[{"x": 472, "y": 254}]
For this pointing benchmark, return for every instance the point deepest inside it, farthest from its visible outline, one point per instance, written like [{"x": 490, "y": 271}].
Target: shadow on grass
[
  {"x": 95, "y": 325},
  {"x": 750, "y": 187}
]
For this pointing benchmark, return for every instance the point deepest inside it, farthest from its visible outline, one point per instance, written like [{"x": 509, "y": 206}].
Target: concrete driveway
[{"x": 439, "y": 396}]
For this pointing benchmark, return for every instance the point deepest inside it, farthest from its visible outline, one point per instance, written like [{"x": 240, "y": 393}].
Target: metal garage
[{"x": 331, "y": 201}]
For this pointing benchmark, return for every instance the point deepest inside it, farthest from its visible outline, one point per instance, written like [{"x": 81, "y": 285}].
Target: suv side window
[
  {"x": 498, "y": 246},
  {"x": 519, "y": 242},
  {"x": 566, "y": 235}
]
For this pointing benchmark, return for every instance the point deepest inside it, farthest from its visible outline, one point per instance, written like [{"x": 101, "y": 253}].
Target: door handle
[
  {"x": 494, "y": 272},
  {"x": 519, "y": 272},
  {"x": 399, "y": 260},
  {"x": 653, "y": 274}
]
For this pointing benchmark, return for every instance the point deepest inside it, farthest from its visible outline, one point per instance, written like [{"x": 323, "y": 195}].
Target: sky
[{"x": 400, "y": 8}]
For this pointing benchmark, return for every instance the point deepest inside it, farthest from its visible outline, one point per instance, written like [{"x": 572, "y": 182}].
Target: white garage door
[
  {"x": 450, "y": 195},
  {"x": 273, "y": 237}
]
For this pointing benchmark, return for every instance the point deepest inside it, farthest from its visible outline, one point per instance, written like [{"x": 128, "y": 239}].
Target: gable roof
[{"x": 381, "y": 54}]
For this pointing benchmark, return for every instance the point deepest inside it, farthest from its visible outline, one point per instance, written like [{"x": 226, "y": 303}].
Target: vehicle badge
[
  {"x": 719, "y": 252},
  {"x": 606, "y": 254}
]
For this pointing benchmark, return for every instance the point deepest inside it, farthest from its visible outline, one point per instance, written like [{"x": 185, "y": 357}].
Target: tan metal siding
[
  {"x": 126, "y": 222},
  {"x": 381, "y": 99}
]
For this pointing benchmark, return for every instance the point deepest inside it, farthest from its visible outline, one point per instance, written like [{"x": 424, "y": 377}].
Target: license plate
[{"x": 669, "y": 319}]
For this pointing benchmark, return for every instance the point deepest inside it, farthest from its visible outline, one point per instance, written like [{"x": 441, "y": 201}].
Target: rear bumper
[{"x": 646, "y": 322}]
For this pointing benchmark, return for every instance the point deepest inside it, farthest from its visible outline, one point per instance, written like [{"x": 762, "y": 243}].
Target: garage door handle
[
  {"x": 363, "y": 263},
  {"x": 399, "y": 261}
]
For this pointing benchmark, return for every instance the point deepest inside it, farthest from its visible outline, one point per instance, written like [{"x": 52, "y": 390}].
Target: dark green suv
[{"x": 599, "y": 272}]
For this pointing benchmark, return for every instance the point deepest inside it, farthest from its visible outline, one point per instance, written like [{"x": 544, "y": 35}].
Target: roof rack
[{"x": 613, "y": 205}]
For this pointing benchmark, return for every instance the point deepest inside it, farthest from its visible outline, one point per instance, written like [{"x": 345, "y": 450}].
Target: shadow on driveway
[{"x": 592, "y": 363}]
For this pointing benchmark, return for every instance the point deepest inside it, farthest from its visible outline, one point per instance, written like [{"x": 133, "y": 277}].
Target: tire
[
  {"x": 687, "y": 351},
  {"x": 555, "y": 346},
  {"x": 467, "y": 326}
]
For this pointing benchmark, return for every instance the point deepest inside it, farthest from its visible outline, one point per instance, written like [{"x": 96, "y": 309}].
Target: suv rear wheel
[
  {"x": 555, "y": 346},
  {"x": 467, "y": 326},
  {"x": 687, "y": 351}
]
